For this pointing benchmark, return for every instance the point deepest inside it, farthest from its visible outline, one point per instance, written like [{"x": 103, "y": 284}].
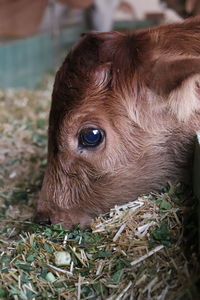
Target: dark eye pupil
[{"x": 90, "y": 137}]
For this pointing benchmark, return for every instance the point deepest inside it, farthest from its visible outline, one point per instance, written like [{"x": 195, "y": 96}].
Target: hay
[{"x": 136, "y": 251}]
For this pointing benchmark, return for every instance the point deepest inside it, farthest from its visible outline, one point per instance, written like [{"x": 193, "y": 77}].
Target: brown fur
[{"x": 143, "y": 89}]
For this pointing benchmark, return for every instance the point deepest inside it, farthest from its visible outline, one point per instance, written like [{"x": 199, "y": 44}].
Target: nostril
[
  {"x": 42, "y": 218},
  {"x": 45, "y": 222}
]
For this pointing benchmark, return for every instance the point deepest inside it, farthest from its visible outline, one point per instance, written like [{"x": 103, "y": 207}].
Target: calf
[{"x": 125, "y": 108}]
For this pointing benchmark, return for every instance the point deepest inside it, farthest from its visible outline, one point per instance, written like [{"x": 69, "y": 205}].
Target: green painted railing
[{"x": 24, "y": 62}]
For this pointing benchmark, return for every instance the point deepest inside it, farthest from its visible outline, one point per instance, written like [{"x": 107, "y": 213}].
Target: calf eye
[{"x": 90, "y": 137}]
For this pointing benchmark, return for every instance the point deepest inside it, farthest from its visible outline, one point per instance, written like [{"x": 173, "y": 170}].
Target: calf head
[{"x": 122, "y": 122}]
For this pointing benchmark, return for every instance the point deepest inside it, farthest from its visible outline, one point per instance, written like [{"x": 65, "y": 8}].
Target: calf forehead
[
  {"x": 127, "y": 54},
  {"x": 113, "y": 63},
  {"x": 75, "y": 88},
  {"x": 99, "y": 62}
]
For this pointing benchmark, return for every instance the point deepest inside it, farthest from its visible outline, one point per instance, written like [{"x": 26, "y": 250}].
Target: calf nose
[
  {"x": 44, "y": 222},
  {"x": 42, "y": 219}
]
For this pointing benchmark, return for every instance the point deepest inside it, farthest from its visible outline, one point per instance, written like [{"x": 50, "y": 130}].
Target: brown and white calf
[{"x": 125, "y": 108}]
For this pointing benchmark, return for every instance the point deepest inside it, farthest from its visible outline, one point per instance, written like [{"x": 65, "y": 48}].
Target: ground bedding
[{"x": 145, "y": 249}]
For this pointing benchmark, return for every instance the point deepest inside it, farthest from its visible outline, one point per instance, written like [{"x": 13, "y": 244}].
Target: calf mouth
[{"x": 68, "y": 219}]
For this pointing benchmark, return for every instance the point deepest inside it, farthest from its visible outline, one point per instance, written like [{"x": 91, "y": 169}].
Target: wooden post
[{"x": 196, "y": 177}]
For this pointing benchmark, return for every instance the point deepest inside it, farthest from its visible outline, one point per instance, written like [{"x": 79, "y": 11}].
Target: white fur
[{"x": 185, "y": 100}]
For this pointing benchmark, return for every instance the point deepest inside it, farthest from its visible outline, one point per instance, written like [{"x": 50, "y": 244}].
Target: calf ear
[{"x": 178, "y": 81}]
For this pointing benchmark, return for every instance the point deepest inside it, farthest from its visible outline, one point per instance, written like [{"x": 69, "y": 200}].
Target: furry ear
[{"x": 178, "y": 81}]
